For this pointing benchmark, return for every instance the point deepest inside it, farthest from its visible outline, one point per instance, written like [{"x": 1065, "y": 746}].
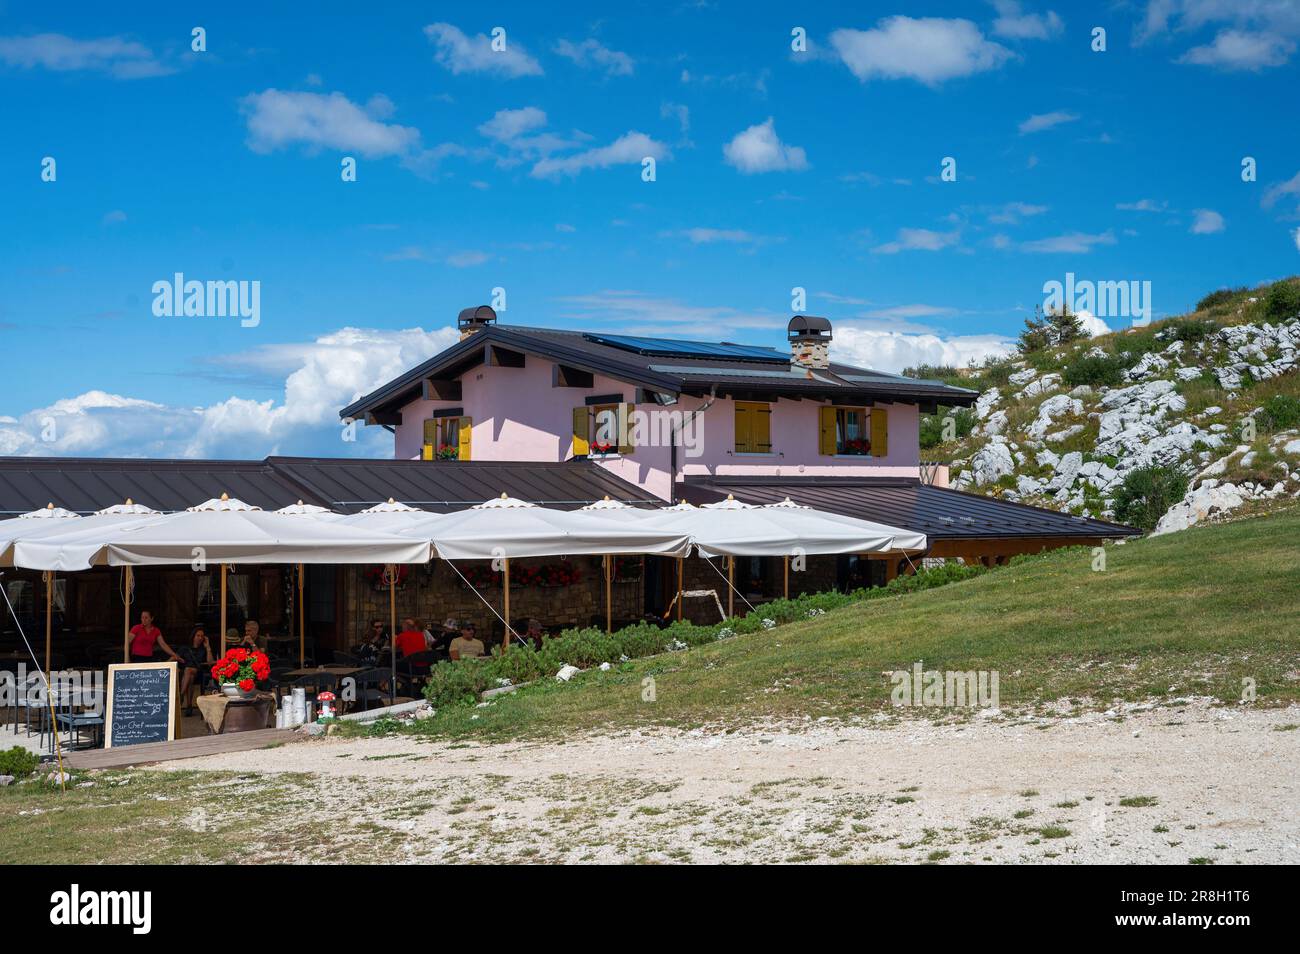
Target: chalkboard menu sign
[{"x": 141, "y": 704}]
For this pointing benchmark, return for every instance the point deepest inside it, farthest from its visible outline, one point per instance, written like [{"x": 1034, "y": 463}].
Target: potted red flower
[{"x": 239, "y": 671}]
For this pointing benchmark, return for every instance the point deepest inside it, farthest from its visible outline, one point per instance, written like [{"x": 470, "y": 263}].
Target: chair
[
  {"x": 370, "y": 685},
  {"x": 73, "y": 721},
  {"x": 415, "y": 667},
  {"x": 29, "y": 697},
  {"x": 315, "y": 683}
]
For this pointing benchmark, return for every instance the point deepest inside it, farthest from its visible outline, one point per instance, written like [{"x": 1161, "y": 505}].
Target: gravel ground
[{"x": 1168, "y": 784}]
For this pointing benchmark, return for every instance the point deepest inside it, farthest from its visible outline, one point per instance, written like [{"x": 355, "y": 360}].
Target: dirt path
[{"x": 1164, "y": 785}]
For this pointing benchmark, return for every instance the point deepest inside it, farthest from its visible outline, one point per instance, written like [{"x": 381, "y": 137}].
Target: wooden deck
[{"x": 180, "y": 749}]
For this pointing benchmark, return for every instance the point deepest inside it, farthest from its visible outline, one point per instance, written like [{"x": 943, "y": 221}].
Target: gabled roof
[
  {"x": 86, "y": 484},
  {"x": 747, "y": 374},
  {"x": 939, "y": 512}
]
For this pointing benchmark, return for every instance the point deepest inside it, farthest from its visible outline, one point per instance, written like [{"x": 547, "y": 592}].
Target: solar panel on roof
[{"x": 690, "y": 349}]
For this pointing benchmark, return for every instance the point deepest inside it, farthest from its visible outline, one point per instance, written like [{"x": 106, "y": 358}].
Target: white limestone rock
[
  {"x": 985, "y": 402},
  {"x": 1058, "y": 405},
  {"x": 1209, "y": 499},
  {"x": 991, "y": 462}
]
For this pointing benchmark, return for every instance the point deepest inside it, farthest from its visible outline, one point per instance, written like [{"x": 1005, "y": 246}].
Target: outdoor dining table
[{"x": 340, "y": 671}]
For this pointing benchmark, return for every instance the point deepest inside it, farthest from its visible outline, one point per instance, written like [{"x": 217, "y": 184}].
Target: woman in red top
[
  {"x": 144, "y": 636},
  {"x": 411, "y": 640}
]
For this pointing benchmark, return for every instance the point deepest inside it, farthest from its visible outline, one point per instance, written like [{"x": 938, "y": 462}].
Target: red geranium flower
[{"x": 246, "y": 685}]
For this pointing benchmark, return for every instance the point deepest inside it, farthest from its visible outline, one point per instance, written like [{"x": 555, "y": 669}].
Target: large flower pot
[{"x": 232, "y": 690}]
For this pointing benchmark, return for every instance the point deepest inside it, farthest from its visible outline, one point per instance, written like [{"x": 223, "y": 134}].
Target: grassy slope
[{"x": 1186, "y": 614}]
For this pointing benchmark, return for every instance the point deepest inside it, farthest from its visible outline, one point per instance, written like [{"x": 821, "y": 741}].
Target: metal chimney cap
[
  {"x": 808, "y": 326},
  {"x": 478, "y": 315}
]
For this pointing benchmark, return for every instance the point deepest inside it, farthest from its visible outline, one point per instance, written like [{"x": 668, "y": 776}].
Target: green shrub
[
  {"x": 1095, "y": 370},
  {"x": 1147, "y": 493},
  {"x": 1282, "y": 303},
  {"x": 932, "y": 425},
  {"x": 1280, "y": 413},
  {"x": 18, "y": 762},
  {"x": 1220, "y": 297},
  {"x": 1191, "y": 330}
]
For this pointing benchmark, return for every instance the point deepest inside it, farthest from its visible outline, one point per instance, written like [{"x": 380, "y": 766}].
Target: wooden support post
[
  {"x": 609, "y": 595},
  {"x": 505, "y": 602},
  {"x": 891, "y": 568},
  {"x": 786, "y": 562},
  {"x": 302, "y": 622},
  {"x": 126, "y": 614},
  {"x": 223, "y": 609},
  {"x": 392, "y": 631},
  {"x": 731, "y": 587},
  {"x": 49, "y": 611},
  {"x": 681, "y": 568}
]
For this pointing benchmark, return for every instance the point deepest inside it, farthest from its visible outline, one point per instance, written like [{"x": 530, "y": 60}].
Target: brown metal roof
[
  {"x": 89, "y": 484},
  {"x": 939, "y": 512}
]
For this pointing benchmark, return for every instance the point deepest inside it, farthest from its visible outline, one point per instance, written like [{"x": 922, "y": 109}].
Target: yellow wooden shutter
[
  {"x": 760, "y": 428},
  {"x": 581, "y": 432},
  {"x": 879, "y": 432},
  {"x": 625, "y": 428},
  {"x": 466, "y": 428},
  {"x": 426, "y": 452},
  {"x": 431, "y": 431},
  {"x": 744, "y": 428},
  {"x": 826, "y": 430}
]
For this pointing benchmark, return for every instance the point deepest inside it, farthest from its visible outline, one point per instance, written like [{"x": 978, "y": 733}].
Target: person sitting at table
[
  {"x": 194, "y": 656},
  {"x": 252, "y": 636},
  {"x": 412, "y": 639},
  {"x": 466, "y": 645},
  {"x": 373, "y": 645},
  {"x": 144, "y": 637}
]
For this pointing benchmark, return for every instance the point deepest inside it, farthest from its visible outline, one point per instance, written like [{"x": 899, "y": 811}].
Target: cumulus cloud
[
  {"x": 924, "y": 240},
  {"x": 1012, "y": 212},
  {"x": 1143, "y": 205},
  {"x": 758, "y": 149},
  {"x": 1241, "y": 50},
  {"x": 319, "y": 378},
  {"x": 509, "y": 124},
  {"x": 628, "y": 149},
  {"x": 1207, "y": 222},
  {"x": 1091, "y": 324},
  {"x": 278, "y": 119},
  {"x": 460, "y": 53},
  {"x": 1071, "y": 242},
  {"x": 893, "y": 351},
  {"x": 1041, "y": 121},
  {"x": 591, "y": 54},
  {"x": 929, "y": 50},
  {"x": 1015, "y": 24},
  {"x": 114, "y": 55}
]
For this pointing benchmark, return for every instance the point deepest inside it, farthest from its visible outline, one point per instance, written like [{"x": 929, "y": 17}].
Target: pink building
[{"x": 697, "y": 420}]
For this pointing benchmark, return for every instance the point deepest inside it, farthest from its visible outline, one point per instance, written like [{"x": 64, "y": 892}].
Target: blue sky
[{"x": 522, "y": 169}]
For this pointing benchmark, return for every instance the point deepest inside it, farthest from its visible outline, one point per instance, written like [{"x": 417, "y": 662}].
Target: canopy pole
[
  {"x": 731, "y": 587},
  {"x": 681, "y": 561},
  {"x": 223, "y": 610},
  {"x": 126, "y": 615},
  {"x": 609, "y": 601},
  {"x": 49, "y": 603},
  {"x": 302, "y": 623},
  {"x": 505, "y": 602},
  {"x": 786, "y": 562},
  {"x": 392, "y": 631}
]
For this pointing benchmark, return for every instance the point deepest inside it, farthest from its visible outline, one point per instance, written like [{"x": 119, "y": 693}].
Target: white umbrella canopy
[
  {"x": 68, "y": 545},
  {"x": 231, "y": 531},
  {"x": 733, "y": 528},
  {"x": 511, "y": 528},
  {"x": 389, "y": 517}
]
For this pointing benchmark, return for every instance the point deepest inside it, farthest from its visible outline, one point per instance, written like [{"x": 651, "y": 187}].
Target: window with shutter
[
  {"x": 853, "y": 431},
  {"x": 581, "y": 431},
  {"x": 753, "y": 427}
]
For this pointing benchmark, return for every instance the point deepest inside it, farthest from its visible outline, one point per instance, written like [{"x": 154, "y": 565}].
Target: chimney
[
  {"x": 810, "y": 342},
  {"x": 471, "y": 320}
]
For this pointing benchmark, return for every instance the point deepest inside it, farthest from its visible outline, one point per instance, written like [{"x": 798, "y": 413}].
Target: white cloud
[
  {"x": 114, "y": 55},
  {"x": 758, "y": 149},
  {"x": 508, "y": 124},
  {"x": 893, "y": 351},
  {"x": 1012, "y": 212},
  {"x": 279, "y": 119},
  {"x": 1041, "y": 121},
  {"x": 629, "y": 148},
  {"x": 464, "y": 54},
  {"x": 1091, "y": 324},
  {"x": 1014, "y": 24},
  {"x": 924, "y": 240},
  {"x": 705, "y": 236},
  {"x": 1143, "y": 205},
  {"x": 468, "y": 258},
  {"x": 929, "y": 50},
  {"x": 591, "y": 53},
  {"x": 1207, "y": 222},
  {"x": 113, "y": 218},
  {"x": 1072, "y": 242},
  {"x": 1296, "y": 236},
  {"x": 322, "y": 376},
  {"x": 1241, "y": 50}
]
